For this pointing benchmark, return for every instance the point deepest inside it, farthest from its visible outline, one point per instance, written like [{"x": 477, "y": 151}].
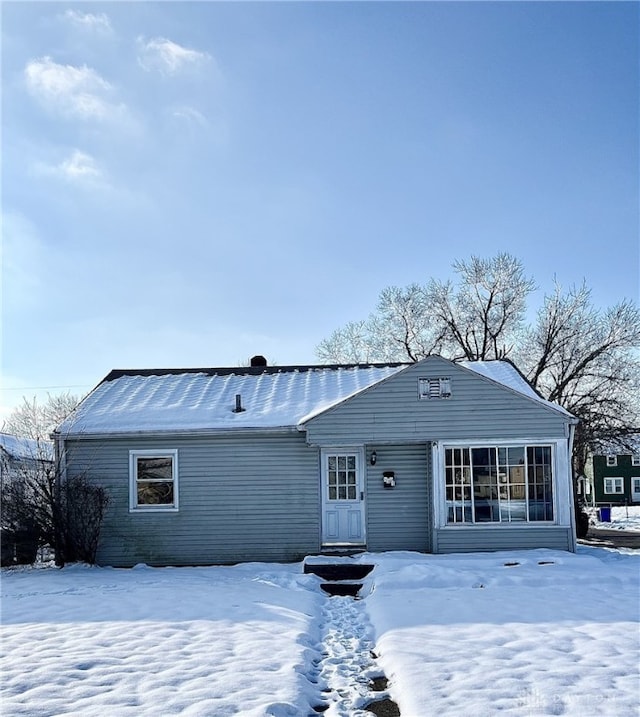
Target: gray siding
[
  {"x": 481, "y": 539},
  {"x": 241, "y": 499},
  {"x": 399, "y": 518},
  {"x": 391, "y": 411}
]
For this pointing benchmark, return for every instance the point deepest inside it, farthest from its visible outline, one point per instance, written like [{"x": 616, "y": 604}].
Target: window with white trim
[
  {"x": 153, "y": 480},
  {"x": 434, "y": 387},
  {"x": 342, "y": 477},
  {"x": 612, "y": 461},
  {"x": 635, "y": 460},
  {"x": 614, "y": 485},
  {"x": 498, "y": 484}
]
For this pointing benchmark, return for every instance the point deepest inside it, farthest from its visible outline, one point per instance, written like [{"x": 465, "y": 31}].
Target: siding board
[
  {"x": 399, "y": 518},
  {"x": 240, "y": 500},
  {"x": 481, "y": 539},
  {"x": 391, "y": 411}
]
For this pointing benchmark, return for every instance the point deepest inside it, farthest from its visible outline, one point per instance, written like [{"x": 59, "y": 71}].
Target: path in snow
[{"x": 346, "y": 666}]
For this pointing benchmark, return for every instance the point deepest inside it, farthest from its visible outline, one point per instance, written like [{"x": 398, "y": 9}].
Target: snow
[
  {"x": 200, "y": 401},
  {"x": 521, "y": 633},
  {"x": 20, "y": 448},
  {"x": 506, "y": 374},
  {"x": 622, "y": 518},
  {"x": 278, "y": 398}
]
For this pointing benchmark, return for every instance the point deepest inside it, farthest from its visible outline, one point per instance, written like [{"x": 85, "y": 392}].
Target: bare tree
[
  {"x": 36, "y": 420},
  {"x": 38, "y": 509},
  {"x": 481, "y": 318},
  {"x": 401, "y": 329},
  {"x": 586, "y": 359},
  {"x": 581, "y": 357}
]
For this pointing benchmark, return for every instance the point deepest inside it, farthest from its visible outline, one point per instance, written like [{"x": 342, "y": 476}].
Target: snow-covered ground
[
  {"x": 623, "y": 518},
  {"x": 513, "y": 633}
]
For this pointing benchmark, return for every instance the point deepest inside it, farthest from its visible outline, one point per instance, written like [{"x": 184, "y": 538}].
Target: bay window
[{"x": 498, "y": 484}]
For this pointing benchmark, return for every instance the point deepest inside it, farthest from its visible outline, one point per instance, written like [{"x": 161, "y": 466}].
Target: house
[
  {"x": 616, "y": 479},
  {"x": 23, "y": 462},
  {"x": 272, "y": 463},
  {"x": 20, "y": 457}
]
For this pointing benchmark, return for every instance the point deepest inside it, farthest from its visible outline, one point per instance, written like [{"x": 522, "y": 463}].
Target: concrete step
[
  {"x": 341, "y": 589},
  {"x": 339, "y": 571}
]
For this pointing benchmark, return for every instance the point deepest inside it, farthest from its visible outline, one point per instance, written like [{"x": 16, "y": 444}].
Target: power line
[{"x": 42, "y": 388}]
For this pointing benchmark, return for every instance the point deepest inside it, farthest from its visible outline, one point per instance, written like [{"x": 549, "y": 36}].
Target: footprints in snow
[{"x": 346, "y": 672}]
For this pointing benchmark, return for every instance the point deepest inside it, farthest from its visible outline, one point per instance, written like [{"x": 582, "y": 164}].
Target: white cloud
[
  {"x": 190, "y": 115},
  {"x": 168, "y": 57},
  {"x": 78, "y": 92},
  {"x": 78, "y": 167},
  {"x": 88, "y": 21}
]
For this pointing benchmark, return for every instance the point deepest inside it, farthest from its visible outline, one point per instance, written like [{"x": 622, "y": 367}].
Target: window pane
[
  {"x": 351, "y": 462},
  {"x": 352, "y": 492},
  {"x": 332, "y": 493},
  {"x": 332, "y": 463},
  {"x": 155, "y": 468},
  {"x": 155, "y": 493}
]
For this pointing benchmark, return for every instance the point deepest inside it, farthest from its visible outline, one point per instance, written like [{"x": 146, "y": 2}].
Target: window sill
[{"x": 142, "y": 511}]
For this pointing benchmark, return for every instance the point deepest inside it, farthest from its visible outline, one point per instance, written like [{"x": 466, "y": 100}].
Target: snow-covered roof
[
  {"x": 506, "y": 374},
  {"x": 271, "y": 397},
  {"x": 19, "y": 448},
  {"x": 127, "y": 402}
]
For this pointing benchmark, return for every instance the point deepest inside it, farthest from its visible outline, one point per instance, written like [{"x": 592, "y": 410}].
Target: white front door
[
  {"x": 342, "y": 497},
  {"x": 635, "y": 490}
]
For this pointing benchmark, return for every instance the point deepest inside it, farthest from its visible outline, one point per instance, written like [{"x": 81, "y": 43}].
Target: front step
[
  {"x": 341, "y": 589},
  {"x": 339, "y": 571},
  {"x": 342, "y": 576}
]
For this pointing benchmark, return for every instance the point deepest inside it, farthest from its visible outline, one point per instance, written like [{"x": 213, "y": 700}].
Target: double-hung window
[
  {"x": 635, "y": 460},
  {"x": 499, "y": 484},
  {"x": 612, "y": 461},
  {"x": 614, "y": 485},
  {"x": 153, "y": 480}
]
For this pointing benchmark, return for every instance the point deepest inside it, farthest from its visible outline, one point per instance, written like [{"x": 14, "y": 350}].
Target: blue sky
[{"x": 188, "y": 184}]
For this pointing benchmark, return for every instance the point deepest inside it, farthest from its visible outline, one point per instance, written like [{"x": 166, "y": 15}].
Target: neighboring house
[
  {"x": 22, "y": 456},
  {"x": 274, "y": 463},
  {"x": 616, "y": 479},
  {"x": 22, "y": 461}
]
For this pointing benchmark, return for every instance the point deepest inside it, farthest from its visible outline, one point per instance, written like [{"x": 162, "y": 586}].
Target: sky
[{"x": 190, "y": 184}]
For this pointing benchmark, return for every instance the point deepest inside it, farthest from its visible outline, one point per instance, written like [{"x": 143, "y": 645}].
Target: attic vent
[
  {"x": 434, "y": 388},
  {"x": 238, "y": 408},
  {"x": 258, "y": 360}
]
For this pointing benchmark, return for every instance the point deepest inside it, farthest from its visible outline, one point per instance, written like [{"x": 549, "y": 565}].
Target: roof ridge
[{"x": 246, "y": 370}]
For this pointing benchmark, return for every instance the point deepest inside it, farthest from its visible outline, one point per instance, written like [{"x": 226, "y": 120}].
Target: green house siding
[{"x": 624, "y": 469}]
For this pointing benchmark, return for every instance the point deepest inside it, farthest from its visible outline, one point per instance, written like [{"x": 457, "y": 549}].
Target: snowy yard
[
  {"x": 622, "y": 518},
  {"x": 517, "y": 633}
]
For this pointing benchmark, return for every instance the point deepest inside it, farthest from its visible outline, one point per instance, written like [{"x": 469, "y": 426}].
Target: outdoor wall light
[{"x": 374, "y": 458}]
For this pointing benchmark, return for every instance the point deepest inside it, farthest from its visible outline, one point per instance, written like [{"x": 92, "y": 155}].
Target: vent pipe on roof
[
  {"x": 258, "y": 361},
  {"x": 238, "y": 408}
]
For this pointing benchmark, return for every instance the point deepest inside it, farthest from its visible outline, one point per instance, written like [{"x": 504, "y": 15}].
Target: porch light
[{"x": 374, "y": 458}]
